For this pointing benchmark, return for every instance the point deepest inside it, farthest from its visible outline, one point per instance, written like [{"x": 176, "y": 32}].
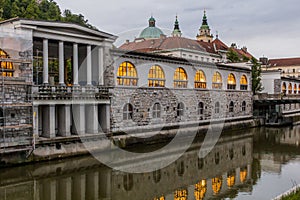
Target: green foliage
[
  {"x": 293, "y": 196},
  {"x": 256, "y": 76},
  {"x": 42, "y": 10},
  {"x": 233, "y": 56}
]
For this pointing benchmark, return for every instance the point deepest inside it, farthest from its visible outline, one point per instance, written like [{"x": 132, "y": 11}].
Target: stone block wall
[{"x": 143, "y": 99}]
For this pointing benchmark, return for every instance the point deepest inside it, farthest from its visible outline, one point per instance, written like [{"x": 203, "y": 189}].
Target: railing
[{"x": 44, "y": 92}]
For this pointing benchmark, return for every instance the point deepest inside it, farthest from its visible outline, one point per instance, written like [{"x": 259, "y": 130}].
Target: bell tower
[{"x": 204, "y": 31}]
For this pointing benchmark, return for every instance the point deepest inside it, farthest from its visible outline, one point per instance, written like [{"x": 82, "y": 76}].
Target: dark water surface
[{"x": 250, "y": 164}]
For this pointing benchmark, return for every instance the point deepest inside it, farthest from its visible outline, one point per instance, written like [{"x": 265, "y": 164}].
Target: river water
[{"x": 249, "y": 164}]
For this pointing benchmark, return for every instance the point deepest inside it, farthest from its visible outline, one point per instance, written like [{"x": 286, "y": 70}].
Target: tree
[
  {"x": 256, "y": 76},
  {"x": 233, "y": 56}
]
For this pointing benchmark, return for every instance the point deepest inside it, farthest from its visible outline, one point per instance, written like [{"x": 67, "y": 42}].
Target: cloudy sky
[{"x": 266, "y": 27}]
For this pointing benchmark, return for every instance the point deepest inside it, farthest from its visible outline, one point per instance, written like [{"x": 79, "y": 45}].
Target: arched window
[
  {"x": 6, "y": 67},
  {"x": 295, "y": 89},
  {"x": 290, "y": 88},
  {"x": 231, "y": 179},
  {"x": 156, "y": 111},
  {"x": 217, "y": 184},
  {"x": 243, "y": 174},
  {"x": 181, "y": 194},
  {"x": 180, "y": 78},
  {"x": 244, "y": 106},
  {"x": 180, "y": 109},
  {"x": 283, "y": 88},
  {"x": 1, "y": 117},
  {"x": 127, "y": 74},
  {"x": 231, "y": 106},
  {"x": 217, "y": 81},
  {"x": 217, "y": 108},
  {"x": 200, "y": 190},
  {"x": 201, "y": 109},
  {"x": 244, "y": 83},
  {"x": 156, "y": 77},
  {"x": 127, "y": 111},
  {"x": 200, "y": 79},
  {"x": 231, "y": 82}
]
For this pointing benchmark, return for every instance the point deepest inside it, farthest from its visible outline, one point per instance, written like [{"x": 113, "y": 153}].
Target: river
[{"x": 251, "y": 164}]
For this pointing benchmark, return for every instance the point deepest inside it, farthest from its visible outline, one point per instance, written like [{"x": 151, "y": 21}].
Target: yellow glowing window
[
  {"x": 160, "y": 198},
  {"x": 290, "y": 88},
  {"x": 217, "y": 81},
  {"x": 231, "y": 179},
  {"x": 180, "y": 78},
  {"x": 243, "y": 175},
  {"x": 231, "y": 82},
  {"x": 200, "y": 190},
  {"x": 180, "y": 195},
  {"x": 6, "y": 67},
  {"x": 200, "y": 79},
  {"x": 127, "y": 74},
  {"x": 283, "y": 88},
  {"x": 244, "y": 83},
  {"x": 295, "y": 89},
  {"x": 156, "y": 77},
  {"x": 217, "y": 184}
]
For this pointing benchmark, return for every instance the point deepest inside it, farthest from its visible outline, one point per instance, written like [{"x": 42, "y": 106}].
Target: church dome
[{"x": 151, "y": 32}]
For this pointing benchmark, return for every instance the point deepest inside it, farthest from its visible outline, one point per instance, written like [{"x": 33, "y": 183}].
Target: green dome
[{"x": 151, "y": 32}]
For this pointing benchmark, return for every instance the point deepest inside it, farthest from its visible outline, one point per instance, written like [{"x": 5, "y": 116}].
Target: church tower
[
  {"x": 176, "y": 32},
  {"x": 204, "y": 31}
]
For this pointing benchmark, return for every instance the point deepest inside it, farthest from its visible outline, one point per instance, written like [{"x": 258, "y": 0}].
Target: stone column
[
  {"x": 92, "y": 119},
  {"x": 45, "y": 62},
  {"x": 64, "y": 121},
  {"x": 61, "y": 63},
  {"x": 89, "y": 65},
  {"x": 49, "y": 121},
  {"x": 75, "y": 64},
  {"x": 101, "y": 65},
  {"x": 104, "y": 117},
  {"x": 79, "y": 119}
]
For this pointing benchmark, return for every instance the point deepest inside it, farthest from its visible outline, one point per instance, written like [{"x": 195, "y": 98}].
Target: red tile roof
[{"x": 284, "y": 62}]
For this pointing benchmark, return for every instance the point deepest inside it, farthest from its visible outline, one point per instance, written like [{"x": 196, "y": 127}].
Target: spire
[
  {"x": 176, "y": 32},
  {"x": 204, "y": 21},
  {"x": 204, "y": 31}
]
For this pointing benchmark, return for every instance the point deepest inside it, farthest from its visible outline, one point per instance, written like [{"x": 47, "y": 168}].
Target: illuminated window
[
  {"x": 231, "y": 82},
  {"x": 200, "y": 190},
  {"x": 295, "y": 89},
  {"x": 231, "y": 106},
  {"x": 180, "y": 109},
  {"x": 180, "y": 195},
  {"x": 217, "y": 108},
  {"x": 231, "y": 179},
  {"x": 290, "y": 88},
  {"x": 160, "y": 198},
  {"x": 156, "y": 112},
  {"x": 180, "y": 78},
  {"x": 217, "y": 184},
  {"x": 244, "y": 83},
  {"x": 127, "y": 112},
  {"x": 6, "y": 67},
  {"x": 200, "y": 79},
  {"x": 283, "y": 88},
  {"x": 127, "y": 74},
  {"x": 156, "y": 77},
  {"x": 244, "y": 106},
  {"x": 201, "y": 109},
  {"x": 217, "y": 81},
  {"x": 243, "y": 174}
]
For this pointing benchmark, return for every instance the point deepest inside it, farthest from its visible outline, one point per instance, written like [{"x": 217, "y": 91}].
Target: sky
[{"x": 266, "y": 27}]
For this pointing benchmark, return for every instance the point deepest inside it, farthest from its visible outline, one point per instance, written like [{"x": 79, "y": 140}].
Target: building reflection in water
[{"x": 231, "y": 167}]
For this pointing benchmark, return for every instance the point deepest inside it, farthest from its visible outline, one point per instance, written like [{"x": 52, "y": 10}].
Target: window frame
[{"x": 129, "y": 80}]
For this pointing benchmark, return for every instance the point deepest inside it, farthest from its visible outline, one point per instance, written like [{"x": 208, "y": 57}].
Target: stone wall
[{"x": 143, "y": 99}]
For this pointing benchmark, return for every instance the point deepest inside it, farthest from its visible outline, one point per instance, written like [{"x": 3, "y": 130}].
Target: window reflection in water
[
  {"x": 200, "y": 190},
  {"x": 160, "y": 198},
  {"x": 243, "y": 174},
  {"x": 231, "y": 179},
  {"x": 128, "y": 182},
  {"x": 217, "y": 184},
  {"x": 180, "y": 194}
]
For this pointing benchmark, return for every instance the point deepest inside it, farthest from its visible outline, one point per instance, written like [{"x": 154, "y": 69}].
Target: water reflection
[{"x": 232, "y": 168}]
